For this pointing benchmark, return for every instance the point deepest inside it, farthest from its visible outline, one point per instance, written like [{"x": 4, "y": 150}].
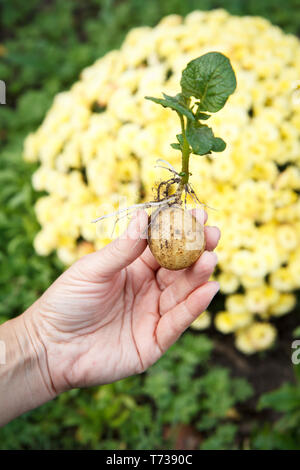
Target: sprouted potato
[{"x": 175, "y": 237}]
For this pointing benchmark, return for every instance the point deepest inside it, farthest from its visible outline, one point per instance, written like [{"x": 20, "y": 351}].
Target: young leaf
[
  {"x": 200, "y": 138},
  {"x": 218, "y": 145},
  {"x": 180, "y": 138},
  {"x": 209, "y": 78},
  {"x": 175, "y": 103},
  {"x": 200, "y": 115}
]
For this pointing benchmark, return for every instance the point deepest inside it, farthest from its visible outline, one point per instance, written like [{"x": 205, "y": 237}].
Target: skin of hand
[{"x": 113, "y": 313}]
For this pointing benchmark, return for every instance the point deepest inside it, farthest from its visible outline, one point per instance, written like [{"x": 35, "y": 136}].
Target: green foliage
[
  {"x": 284, "y": 434},
  {"x": 44, "y": 46},
  {"x": 202, "y": 140},
  {"x": 209, "y": 78},
  {"x": 134, "y": 413}
]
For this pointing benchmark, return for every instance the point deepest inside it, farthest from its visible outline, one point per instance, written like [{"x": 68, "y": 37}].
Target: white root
[
  {"x": 145, "y": 205},
  {"x": 160, "y": 205},
  {"x": 170, "y": 167}
]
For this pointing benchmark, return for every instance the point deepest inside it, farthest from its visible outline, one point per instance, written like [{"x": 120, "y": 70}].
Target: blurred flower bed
[{"x": 100, "y": 141}]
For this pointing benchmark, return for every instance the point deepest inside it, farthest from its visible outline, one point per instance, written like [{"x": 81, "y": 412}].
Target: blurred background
[{"x": 205, "y": 393}]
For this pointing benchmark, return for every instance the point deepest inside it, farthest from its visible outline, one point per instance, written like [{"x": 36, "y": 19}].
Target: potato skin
[{"x": 175, "y": 237}]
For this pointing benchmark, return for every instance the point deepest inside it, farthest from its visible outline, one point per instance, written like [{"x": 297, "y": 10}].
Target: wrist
[{"x": 25, "y": 382}]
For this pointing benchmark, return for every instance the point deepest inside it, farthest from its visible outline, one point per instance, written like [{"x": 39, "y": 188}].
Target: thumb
[{"x": 120, "y": 252}]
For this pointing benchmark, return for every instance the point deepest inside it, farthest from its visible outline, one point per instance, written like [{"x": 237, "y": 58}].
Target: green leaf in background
[
  {"x": 209, "y": 78},
  {"x": 180, "y": 138},
  {"x": 174, "y": 102},
  {"x": 284, "y": 434},
  {"x": 285, "y": 399},
  {"x": 221, "y": 439},
  {"x": 176, "y": 146},
  {"x": 200, "y": 138}
]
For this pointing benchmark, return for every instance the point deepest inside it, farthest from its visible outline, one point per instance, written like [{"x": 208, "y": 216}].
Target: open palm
[{"x": 114, "y": 312}]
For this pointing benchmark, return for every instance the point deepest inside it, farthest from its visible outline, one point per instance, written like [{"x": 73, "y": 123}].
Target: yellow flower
[
  {"x": 46, "y": 240},
  {"x": 229, "y": 283},
  {"x": 289, "y": 178},
  {"x": 67, "y": 255},
  {"x": 282, "y": 279},
  {"x": 227, "y": 322},
  {"x": 284, "y": 304},
  {"x": 127, "y": 170},
  {"x": 235, "y": 303},
  {"x": 259, "y": 299},
  {"x": 126, "y": 135},
  {"x": 249, "y": 282},
  {"x": 31, "y": 147}
]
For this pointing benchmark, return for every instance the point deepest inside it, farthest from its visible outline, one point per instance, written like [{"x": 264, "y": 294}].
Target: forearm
[{"x": 24, "y": 378}]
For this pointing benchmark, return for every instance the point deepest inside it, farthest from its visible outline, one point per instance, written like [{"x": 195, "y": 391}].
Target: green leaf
[
  {"x": 284, "y": 399},
  {"x": 200, "y": 138},
  {"x": 218, "y": 145},
  {"x": 222, "y": 438},
  {"x": 241, "y": 389},
  {"x": 177, "y": 103},
  {"x": 296, "y": 332},
  {"x": 209, "y": 78}
]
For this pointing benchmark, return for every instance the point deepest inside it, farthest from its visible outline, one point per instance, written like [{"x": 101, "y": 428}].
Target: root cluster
[{"x": 164, "y": 197}]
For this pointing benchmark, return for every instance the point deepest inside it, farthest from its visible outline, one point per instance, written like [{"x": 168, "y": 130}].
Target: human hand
[{"x": 114, "y": 312}]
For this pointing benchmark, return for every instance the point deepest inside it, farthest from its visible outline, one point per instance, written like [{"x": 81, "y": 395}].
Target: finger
[
  {"x": 190, "y": 279},
  {"x": 119, "y": 253},
  {"x": 174, "y": 323},
  {"x": 200, "y": 214},
  {"x": 212, "y": 237}
]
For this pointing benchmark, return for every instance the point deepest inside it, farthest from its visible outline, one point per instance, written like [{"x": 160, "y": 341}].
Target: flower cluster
[{"x": 100, "y": 141}]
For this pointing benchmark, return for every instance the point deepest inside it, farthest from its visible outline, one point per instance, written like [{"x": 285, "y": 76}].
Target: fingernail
[{"x": 200, "y": 215}]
